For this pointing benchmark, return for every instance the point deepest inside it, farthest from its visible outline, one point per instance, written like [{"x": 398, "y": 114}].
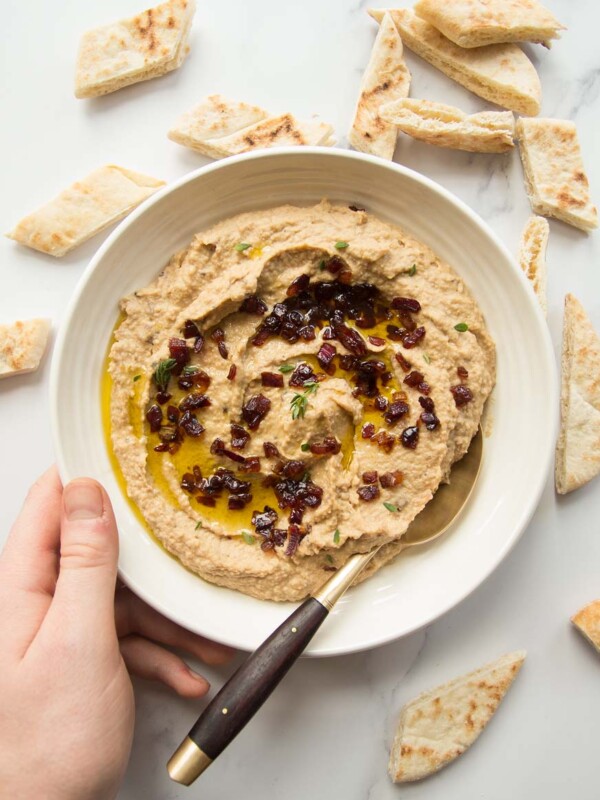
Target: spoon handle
[{"x": 249, "y": 687}]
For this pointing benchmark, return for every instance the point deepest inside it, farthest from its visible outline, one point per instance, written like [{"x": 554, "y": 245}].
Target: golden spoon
[{"x": 246, "y": 691}]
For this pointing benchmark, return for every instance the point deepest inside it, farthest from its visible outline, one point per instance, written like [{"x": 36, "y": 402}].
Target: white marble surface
[{"x": 326, "y": 732}]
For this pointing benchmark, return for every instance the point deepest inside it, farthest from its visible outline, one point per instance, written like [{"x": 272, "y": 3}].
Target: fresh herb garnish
[
  {"x": 136, "y": 378},
  {"x": 329, "y": 558},
  {"x": 248, "y": 538},
  {"x": 198, "y": 525},
  {"x": 299, "y": 402},
  {"x": 336, "y": 536},
  {"x": 162, "y": 373},
  {"x": 426, "y": 358},
  {"x": 412, "y": 271},
  {"x": 341, "y": 245},
  {"x": 391, "y": 507},
  {"x": 241, "y": 246},
  {"x": 285, "y": 368},
  {"x": 322, "y": 264},
  {"x": 305, "y": 447},
  {"x": 461, "y": 327},
  {"x": 190, "y": 370}
]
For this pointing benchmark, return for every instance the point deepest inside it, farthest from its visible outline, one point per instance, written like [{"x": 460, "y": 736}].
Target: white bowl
[{"x": 424, "y": 582}]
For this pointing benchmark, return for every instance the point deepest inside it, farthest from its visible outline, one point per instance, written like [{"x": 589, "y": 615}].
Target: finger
[
  {"x": 134, "y": 616},
  {"x": 150, "y": 661},
  {"x": 29, "y": 562},
  {"x": 84, "y": 596}
]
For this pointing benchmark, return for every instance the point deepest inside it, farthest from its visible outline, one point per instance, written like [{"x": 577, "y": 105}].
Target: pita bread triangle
[
  {"x": 473, "y": 23},
  {"x": 446, "y": 126},
  {"x": 386, "y": 78},
  {"x": 500, "y": 73},
  {"x": 136, "y": 49},
  {"x": 578, "y": 446},
  {"x": 214, "y": 118},
  {"x": 22, "y": 346},
  {"x": 532, "y": 255},
  {"x": 587, "y": 622},
  {"x": 88, "y": 206},
  {"x": 555, "y": 179},
  {"x": 439, "y": 725},
  {"x": 219, "y": 127}
]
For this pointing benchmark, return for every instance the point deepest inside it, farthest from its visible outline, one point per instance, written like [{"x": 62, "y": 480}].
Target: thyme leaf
[
  {"x": 299, "y": 402},
  {"x": 162, "y": 373}
]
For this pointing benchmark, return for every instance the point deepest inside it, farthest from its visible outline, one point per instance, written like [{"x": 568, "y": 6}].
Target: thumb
[{"x": 89, "y": 548}]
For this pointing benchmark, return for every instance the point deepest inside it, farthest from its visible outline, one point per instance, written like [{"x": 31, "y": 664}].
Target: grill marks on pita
[
  {"x": 500, "y": 73},
  {"x": 22, "y": 346},
  {"x": 135, "y": 49},
  {"x": 87, "y": 207},
  {"x": 555, "y": 180},
  {"x": 439, "y": 725},
  {"x": 578, "y": 446},
  {"x": 386, "y": 78},
  {"x": 587, "y": 622},
  {"x": 473, "y": 23},
  {"x": 218, "y": 127}
]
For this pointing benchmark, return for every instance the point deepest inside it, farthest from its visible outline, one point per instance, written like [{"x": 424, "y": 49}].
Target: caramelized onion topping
[
  {"x": 368, "y": 493},
  {"x": 272, "y": 379},
  {"x": 390, "y": 479},
  {"x": 462, "y": 394},
  {"x": 255, "y": 410},
  {"x": 410, "y": 437}
]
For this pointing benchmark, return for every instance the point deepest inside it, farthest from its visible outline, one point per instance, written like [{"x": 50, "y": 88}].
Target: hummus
[{"x": 292, "y": 389}]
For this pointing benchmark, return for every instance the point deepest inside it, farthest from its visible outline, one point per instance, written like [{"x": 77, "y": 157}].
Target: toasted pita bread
[
  {"x": 135, "y": 49},
  {"x": 386, "y": 78},
  {"x": 446, "y": 126},
  {"x": 218, "y": 127},
  {"x": 555, "y": 180},
  {"x": 500, "y": 73},
  {"x": 532, "y": 255},
  {"x": 578, "y": 446},
  {"x": 214, "y": 118},
  {"x": 22, "y": 346},
  {"x": 588, "y": 622},
  {"x": 473, "y": 23},
  {"x": 84, "y": 209},
  {"x": 441, "y": 724}
]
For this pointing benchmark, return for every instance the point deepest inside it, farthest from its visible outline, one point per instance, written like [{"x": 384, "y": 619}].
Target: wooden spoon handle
[
  {"x": 249, "y": 687},
  {"x": 245, "y": 692}
]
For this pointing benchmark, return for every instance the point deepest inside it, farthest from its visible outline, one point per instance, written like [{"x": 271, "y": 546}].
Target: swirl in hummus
[{"x": 292, "y": 389}]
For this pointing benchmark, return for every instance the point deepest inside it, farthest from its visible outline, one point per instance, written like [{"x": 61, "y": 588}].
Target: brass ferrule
[
  {"x": 187, "y": 762},
  {"x": 343, "y": 579}
]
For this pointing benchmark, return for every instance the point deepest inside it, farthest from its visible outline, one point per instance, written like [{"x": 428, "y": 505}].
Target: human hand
[{"x": 66, "y": 641}]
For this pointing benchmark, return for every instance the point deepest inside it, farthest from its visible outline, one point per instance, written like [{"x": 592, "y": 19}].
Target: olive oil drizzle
[{"x": 195, "y": 451}]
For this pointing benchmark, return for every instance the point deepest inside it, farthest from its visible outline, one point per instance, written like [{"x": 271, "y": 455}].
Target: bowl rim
[{"x": 538, "y": 482}]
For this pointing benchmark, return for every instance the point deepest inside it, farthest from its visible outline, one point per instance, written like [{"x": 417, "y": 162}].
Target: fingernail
[
  {"x": 83, "y": 500},
  {"x": 199, "y": 678}
]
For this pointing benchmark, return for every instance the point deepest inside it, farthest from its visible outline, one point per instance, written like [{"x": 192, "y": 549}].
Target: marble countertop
[{"x": 327, "y": 730}]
